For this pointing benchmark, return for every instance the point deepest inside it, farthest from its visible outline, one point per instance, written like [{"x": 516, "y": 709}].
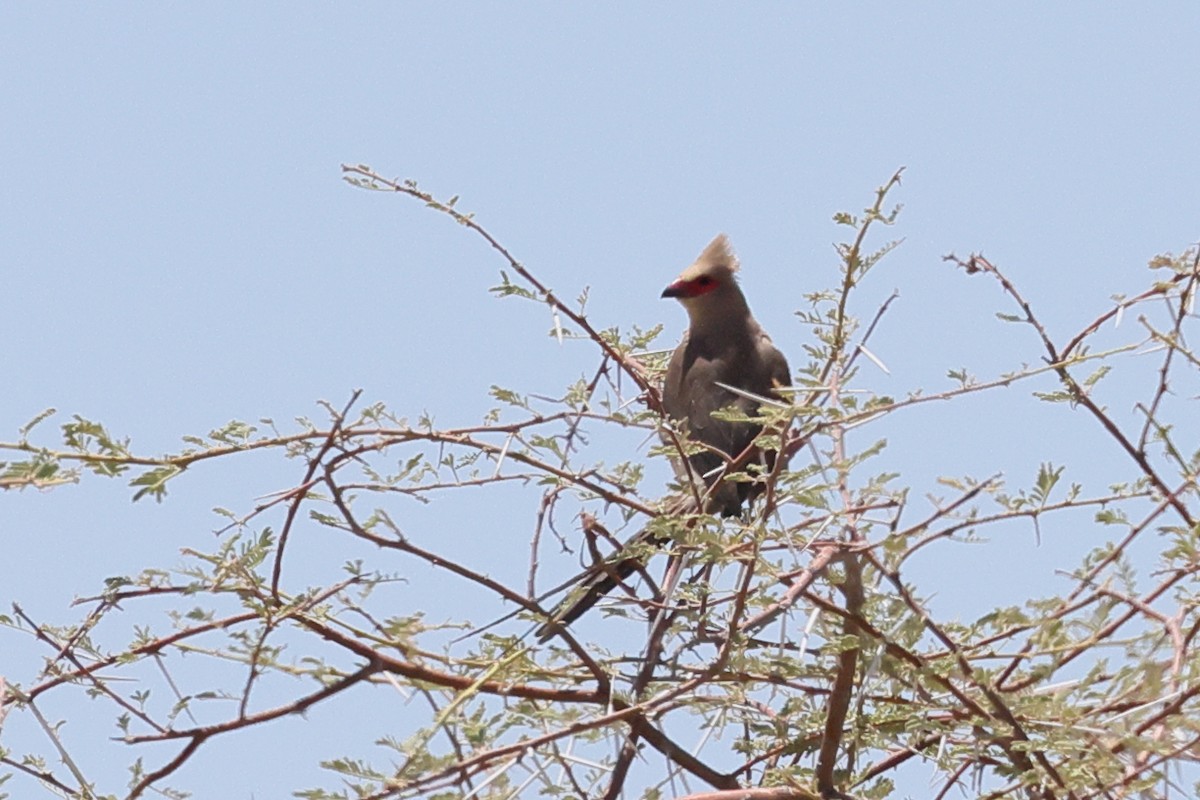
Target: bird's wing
[{"x": 775, "y": 364}]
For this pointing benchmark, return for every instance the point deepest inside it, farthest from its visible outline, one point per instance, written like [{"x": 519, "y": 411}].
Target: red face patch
[{"x": 693, "y": 288}]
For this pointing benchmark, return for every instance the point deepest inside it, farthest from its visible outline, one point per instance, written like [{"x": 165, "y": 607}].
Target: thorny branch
[{"x": 788, "y": 654}]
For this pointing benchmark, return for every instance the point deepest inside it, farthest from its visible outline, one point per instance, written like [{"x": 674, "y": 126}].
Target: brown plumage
[{"x": 723, "y": 344}]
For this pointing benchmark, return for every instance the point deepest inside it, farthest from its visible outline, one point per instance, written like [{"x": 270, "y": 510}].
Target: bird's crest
[{"x": 717, "y": 260}]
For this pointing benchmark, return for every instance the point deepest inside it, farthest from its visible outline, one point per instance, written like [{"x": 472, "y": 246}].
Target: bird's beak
[{"x": 676, "y": 289}]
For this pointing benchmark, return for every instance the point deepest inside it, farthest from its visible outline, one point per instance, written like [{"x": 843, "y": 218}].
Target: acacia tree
[{"x": 783, "y": 654}]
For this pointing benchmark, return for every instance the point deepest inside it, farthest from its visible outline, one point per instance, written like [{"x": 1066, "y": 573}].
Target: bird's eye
[{"x": 704, "y": 280}]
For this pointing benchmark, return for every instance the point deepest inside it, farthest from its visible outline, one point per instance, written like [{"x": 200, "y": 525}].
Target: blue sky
[{"x": 177, "y": 247}]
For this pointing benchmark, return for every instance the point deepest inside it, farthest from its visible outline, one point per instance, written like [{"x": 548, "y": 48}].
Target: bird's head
[{"x": 709, "y": 285}]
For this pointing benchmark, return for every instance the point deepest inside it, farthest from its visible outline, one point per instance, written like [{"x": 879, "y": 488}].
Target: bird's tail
[{"x": 609, "y": 574}]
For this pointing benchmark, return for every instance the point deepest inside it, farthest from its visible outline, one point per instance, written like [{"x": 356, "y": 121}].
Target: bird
[{"x": 724, "y": 346}]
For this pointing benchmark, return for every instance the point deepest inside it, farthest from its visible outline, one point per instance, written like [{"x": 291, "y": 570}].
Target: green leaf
[
  {"x": 28, "y": 426},
  {"x": 154, "y": 482}
]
